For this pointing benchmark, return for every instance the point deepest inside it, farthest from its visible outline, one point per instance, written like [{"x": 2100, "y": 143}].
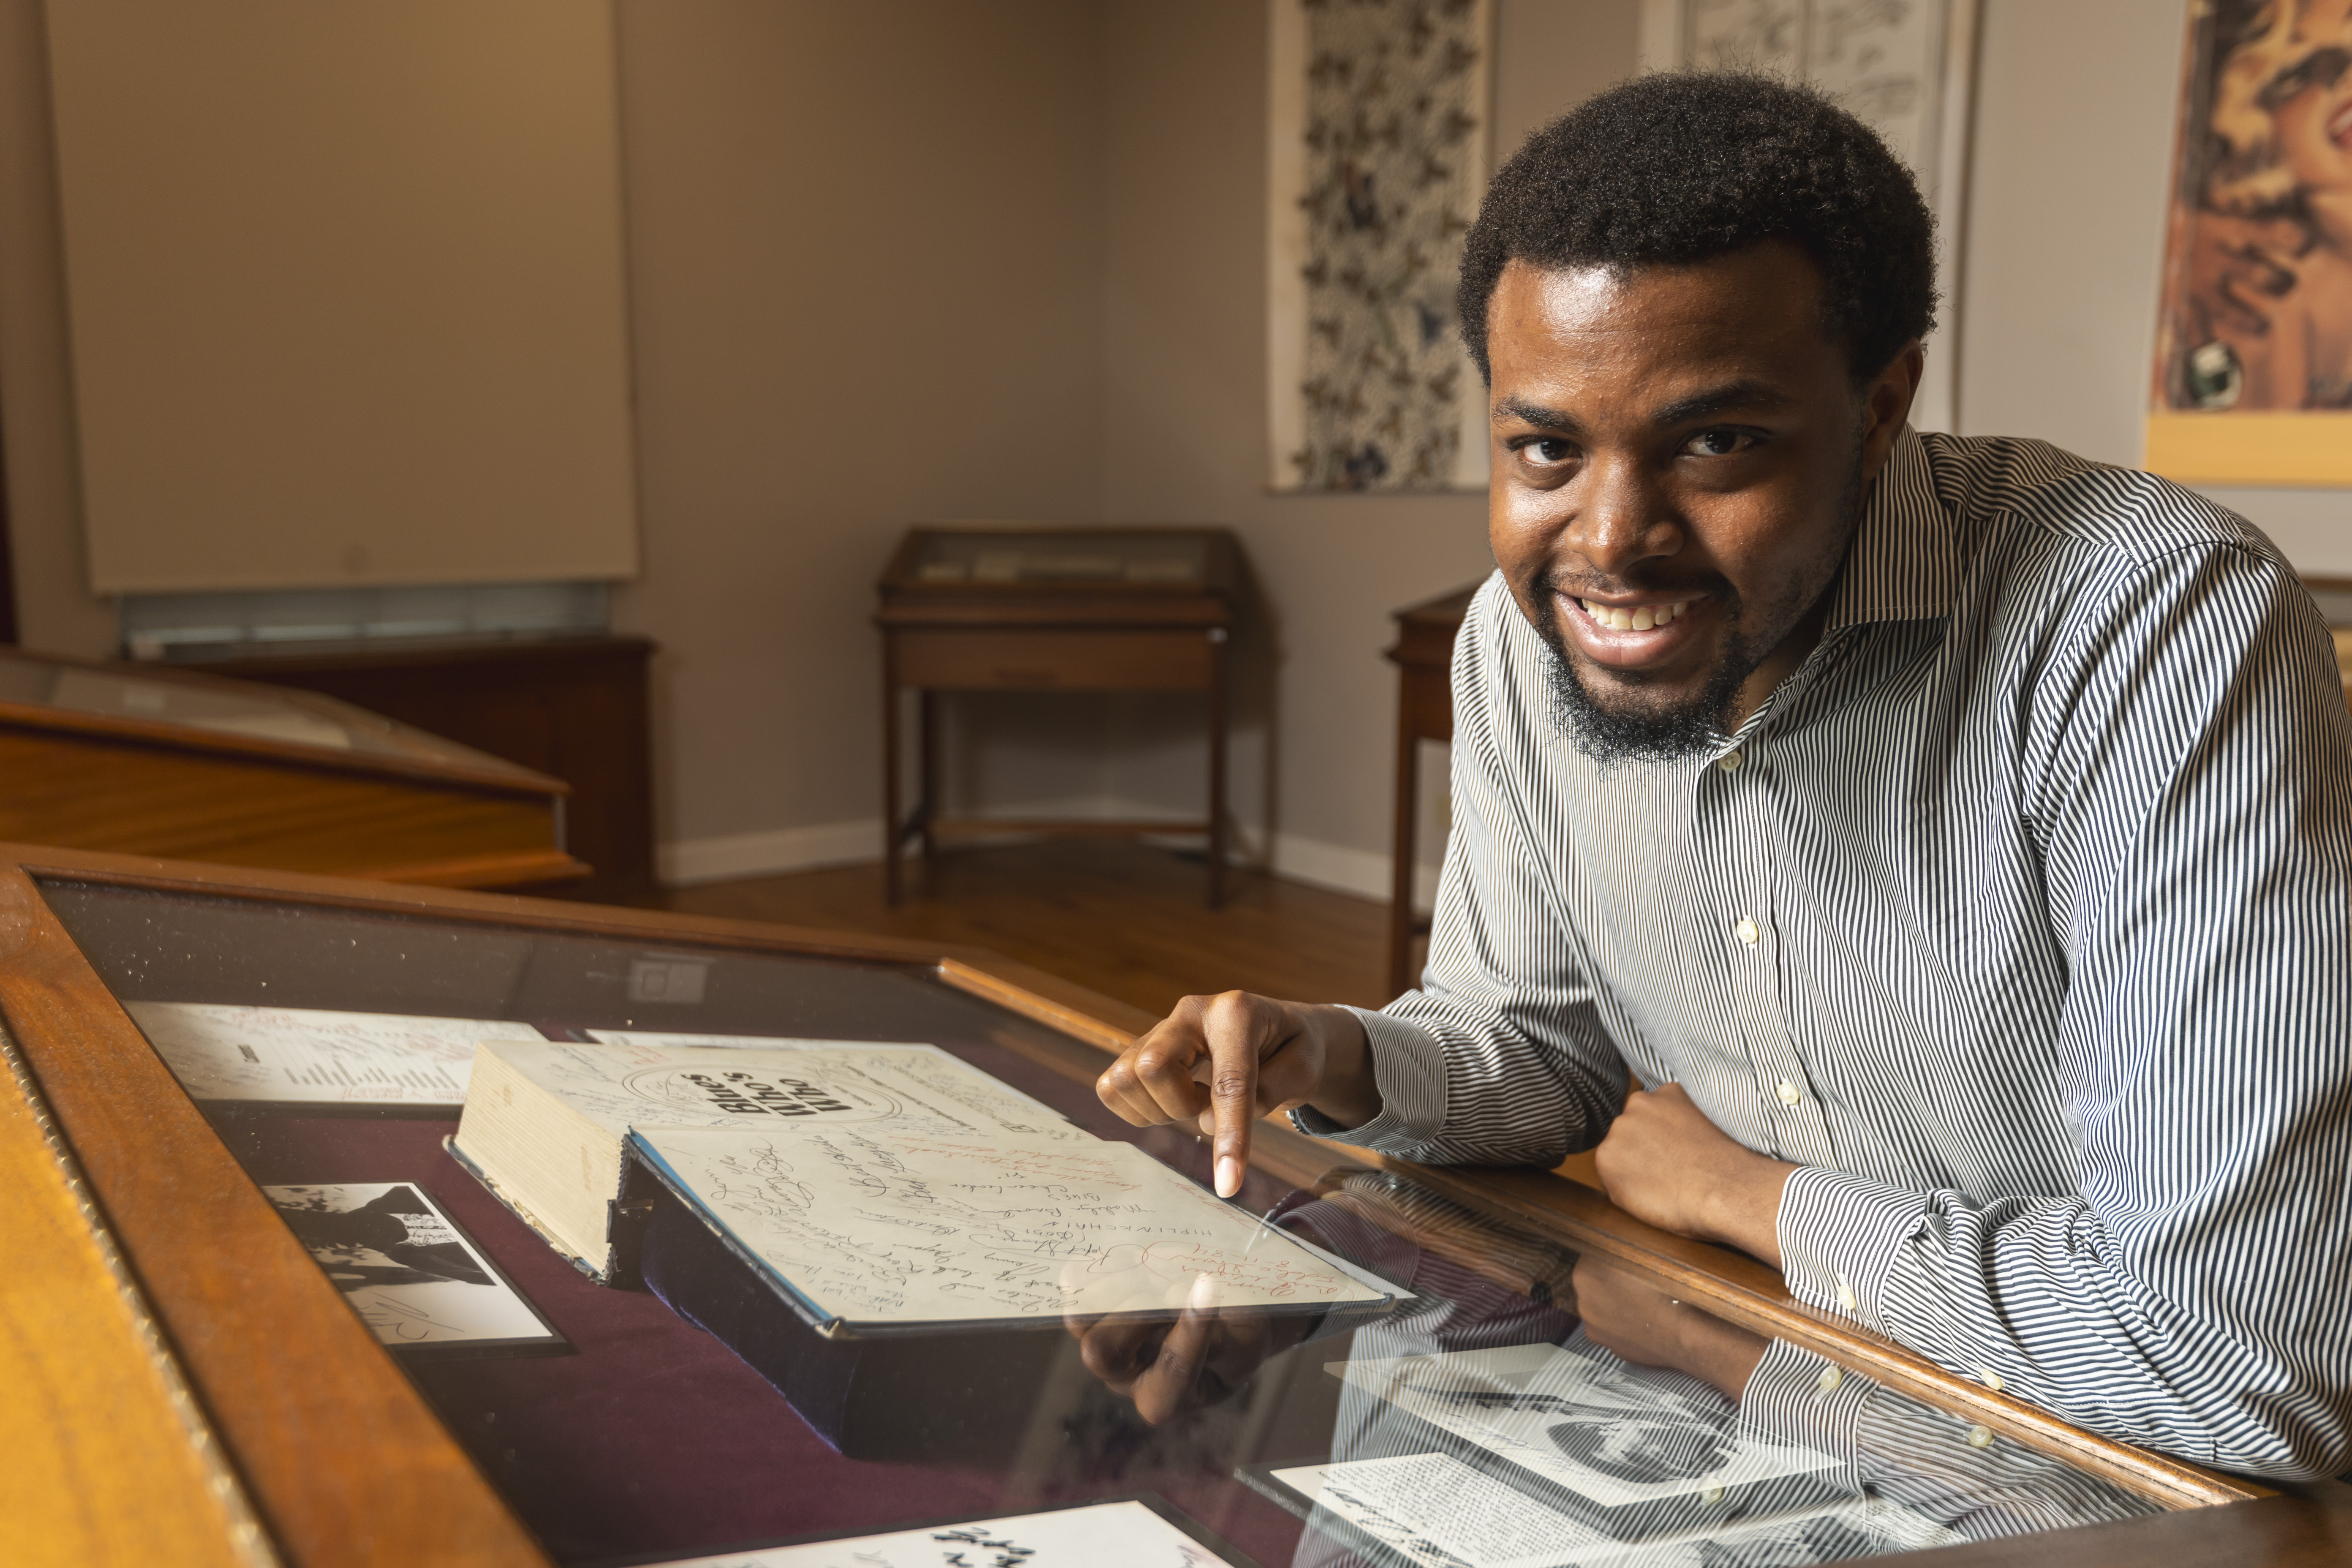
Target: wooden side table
[
  {"x": 1423, "y": 656},
  {"x": 1009, "y": 608}
]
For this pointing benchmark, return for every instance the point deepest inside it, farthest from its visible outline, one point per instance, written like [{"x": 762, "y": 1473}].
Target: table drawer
[{"x": 1058, "y": 661}]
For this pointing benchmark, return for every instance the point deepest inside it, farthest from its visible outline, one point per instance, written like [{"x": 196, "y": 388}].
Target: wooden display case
[
  {"x": 1019, "y": 608},
  {"x": 144, "y": 760},
  {"x": 188, "y": 1387}
]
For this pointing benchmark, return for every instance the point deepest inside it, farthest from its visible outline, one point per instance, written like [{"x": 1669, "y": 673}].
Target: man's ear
[{"x": 1887, "y": 404}]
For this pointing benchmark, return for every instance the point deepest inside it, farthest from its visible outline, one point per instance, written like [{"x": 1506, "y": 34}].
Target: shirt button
[
  {"x": 1845, "y": 1295},
  {"x": 1991, "y": 1378},
  {"x": 1746, "y": 931},
  {"x": 1789, "y": 1093},
  {"x": 1728, "y": 761},
  {"x": 1831, "y": 1377},
  {"x": 1979, "y": 1436}
]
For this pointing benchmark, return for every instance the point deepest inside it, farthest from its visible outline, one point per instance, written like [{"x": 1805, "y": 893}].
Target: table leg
[
  {"x": 1402, "y": 849},
  {"x": 1218, "y": 644},
  {"x": 928, "y": 805},
  {"x": 893, "y": 880}
]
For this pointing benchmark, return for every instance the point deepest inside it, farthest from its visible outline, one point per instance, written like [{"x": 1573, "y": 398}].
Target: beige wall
[
  {"x": 943, "y": 260},
  {"x": 864, "y": 246}
]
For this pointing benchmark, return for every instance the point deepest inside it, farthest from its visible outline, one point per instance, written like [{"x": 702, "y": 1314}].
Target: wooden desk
[
  {"x": 139, "y": 758},
  {"x": 576, "y": 709},
  {"x": 188, "y": 1383},
  {"x": 1423, "y": 655},
  {"x": 1051, "y": 609}
]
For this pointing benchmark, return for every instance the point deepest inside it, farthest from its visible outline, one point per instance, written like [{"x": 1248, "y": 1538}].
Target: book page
[
  {"x": 301, "y": 1055},
  {"x": 1127, "y": 1534},
  {"x": 944, "y": 1071},
  {"x": 917, "y": 1089},
  {"x": 877, "y": 1226},
  {"x": 1435, "y": 1512}
]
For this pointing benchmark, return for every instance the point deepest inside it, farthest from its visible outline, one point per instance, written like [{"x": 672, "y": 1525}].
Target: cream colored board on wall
[{"x": 346, "y": 288}]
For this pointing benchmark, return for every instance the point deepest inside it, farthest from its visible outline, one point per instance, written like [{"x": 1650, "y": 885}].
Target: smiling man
[{"x": 1949, "y": 843}]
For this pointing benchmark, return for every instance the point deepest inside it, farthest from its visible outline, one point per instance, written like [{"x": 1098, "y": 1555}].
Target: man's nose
[{"x": 1626, "y": 519}]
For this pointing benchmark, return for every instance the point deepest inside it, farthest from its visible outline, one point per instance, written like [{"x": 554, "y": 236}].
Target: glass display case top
[
  {"x": 243, "y": 708},
  {"x": 1470, "y": 1422},
  {"x": 1077, "y": 559}
]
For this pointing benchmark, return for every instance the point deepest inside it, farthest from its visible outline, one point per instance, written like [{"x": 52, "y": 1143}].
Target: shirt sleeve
[
  {"x": 2186, "y": 765},
  {"x": 1499, "y": 1057}
]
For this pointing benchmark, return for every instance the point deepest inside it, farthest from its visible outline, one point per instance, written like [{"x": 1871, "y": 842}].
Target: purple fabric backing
[{"x": 655, "y": 1437}]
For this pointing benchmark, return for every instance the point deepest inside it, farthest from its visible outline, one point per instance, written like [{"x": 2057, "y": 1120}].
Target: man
[{"x": 1950, "y": 839}]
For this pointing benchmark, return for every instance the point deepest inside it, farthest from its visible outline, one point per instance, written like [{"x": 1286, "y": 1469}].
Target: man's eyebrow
[
  {"x": 1745, "y": 392},
  {"x": 1534, "y": 413}
]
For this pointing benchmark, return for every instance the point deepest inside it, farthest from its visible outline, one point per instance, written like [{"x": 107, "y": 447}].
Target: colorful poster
[{"x": 2253, "y": 365}]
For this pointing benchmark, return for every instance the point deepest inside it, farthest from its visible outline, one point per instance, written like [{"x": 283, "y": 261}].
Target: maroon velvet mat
[{"x": 654, "y": 1436}]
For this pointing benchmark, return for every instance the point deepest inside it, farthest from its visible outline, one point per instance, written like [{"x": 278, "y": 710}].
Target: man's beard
[{"x": 1693, "y": 726}]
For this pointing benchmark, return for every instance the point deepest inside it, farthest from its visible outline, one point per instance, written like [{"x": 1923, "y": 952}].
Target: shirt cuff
[
  {"x": 1409, "y": 1069},
  {"x": 1795, "y": 1396},
  {"x": 1839, "y": 1236}
]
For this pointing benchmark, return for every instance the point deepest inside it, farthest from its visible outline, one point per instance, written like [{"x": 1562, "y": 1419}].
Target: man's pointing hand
[{"x": 1221, "y": 1062}]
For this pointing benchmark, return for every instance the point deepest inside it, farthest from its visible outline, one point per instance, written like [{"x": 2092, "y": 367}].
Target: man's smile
[{"x": 1631, "y": 632}]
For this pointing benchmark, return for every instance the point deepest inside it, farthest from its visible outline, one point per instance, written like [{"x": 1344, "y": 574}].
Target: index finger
[{"x": 1234, "y": 1029}]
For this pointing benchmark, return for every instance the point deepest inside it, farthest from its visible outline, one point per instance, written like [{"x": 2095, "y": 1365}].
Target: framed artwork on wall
[
  {"x": 2253, "y": 381},
  {"x": 1906, "y": 67},
  {"x": 1380, "y": 142}
]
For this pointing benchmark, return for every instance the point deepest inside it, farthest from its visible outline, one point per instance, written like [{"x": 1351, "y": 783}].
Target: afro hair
[{"x": 1678, "y": 167}]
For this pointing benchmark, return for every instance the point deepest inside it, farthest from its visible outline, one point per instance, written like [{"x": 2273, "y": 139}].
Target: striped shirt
[{"x": 2019, "y": 916}]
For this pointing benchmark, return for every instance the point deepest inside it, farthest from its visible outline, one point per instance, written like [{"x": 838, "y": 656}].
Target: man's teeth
[{"x": 1640, "y": 619}]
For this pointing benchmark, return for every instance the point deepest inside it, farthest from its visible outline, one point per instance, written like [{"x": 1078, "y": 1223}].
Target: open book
[{"x": 877, "y": 1189}]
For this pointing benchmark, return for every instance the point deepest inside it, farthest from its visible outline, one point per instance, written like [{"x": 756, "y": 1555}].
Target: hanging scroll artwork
[
  {"x": 1379, "y": 152},
  {"x": 1899, "y": 66},
  {"x": 2253, "y": 381}
]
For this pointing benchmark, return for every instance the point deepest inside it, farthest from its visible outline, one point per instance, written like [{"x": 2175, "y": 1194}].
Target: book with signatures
[{"x": 889, "y": 1236}]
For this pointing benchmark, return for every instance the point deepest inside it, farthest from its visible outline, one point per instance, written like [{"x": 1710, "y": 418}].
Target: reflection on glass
[{"x": 1477, "y": 1424}]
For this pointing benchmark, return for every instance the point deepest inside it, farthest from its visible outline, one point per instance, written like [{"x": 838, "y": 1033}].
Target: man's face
[{"x": 1679, "y": 458}]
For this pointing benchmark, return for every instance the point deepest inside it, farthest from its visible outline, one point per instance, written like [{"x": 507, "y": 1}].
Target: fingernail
[
  {"x": 1229, "y": 1177},
  {"x": 1204, "y": 1293}
]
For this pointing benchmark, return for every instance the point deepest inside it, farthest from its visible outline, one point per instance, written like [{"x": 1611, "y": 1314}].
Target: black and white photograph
[
  {"x": 411, "y": 1273},
  {"x": 1612, "y": 1433}
]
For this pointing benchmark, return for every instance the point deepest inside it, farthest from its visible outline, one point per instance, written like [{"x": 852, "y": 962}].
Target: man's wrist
[
  {"x": 1744, "y": 1210},
  {"x": 1348, "y": 1093}
]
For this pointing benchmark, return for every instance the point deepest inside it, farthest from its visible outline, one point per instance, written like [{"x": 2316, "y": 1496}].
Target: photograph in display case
[{"x": 411, "y": 1273}]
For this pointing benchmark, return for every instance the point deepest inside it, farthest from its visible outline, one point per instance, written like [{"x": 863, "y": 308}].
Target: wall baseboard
[
  {"x": 1334, "y": 867},
  {"x": 718, "y": 860}
]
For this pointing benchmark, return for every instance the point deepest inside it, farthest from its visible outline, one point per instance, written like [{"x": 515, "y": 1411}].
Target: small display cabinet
[{"x": 1008, "y": 609}]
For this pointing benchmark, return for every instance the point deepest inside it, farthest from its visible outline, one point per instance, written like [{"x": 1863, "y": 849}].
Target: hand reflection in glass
[
  {"x": 1203, "y": 1358},
  {"x": 1640, "y": 1321}
]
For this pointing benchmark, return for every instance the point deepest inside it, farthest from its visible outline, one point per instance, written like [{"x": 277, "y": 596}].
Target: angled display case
[
  {"x": 189, "y": 1384},
  {"x": 145, "y": 760}
]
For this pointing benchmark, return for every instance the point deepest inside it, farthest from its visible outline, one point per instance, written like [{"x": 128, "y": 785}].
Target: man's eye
[
  {"x": 1718, "y": 443},
  {"x": 1546, "y": 453}
]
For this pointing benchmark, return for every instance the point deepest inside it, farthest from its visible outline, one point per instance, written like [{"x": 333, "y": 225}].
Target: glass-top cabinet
[{"x": 331, "y": 1130}]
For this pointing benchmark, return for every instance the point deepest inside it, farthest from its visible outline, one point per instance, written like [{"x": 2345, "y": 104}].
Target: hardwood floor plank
[{"x": 1124, "y": 919}]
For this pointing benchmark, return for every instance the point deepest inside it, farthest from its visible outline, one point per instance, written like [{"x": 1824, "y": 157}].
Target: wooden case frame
[{"x": 202, "y": 1393}]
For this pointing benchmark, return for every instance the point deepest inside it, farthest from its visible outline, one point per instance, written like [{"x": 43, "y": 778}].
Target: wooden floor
[{"x": 1124, "y": 919}]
